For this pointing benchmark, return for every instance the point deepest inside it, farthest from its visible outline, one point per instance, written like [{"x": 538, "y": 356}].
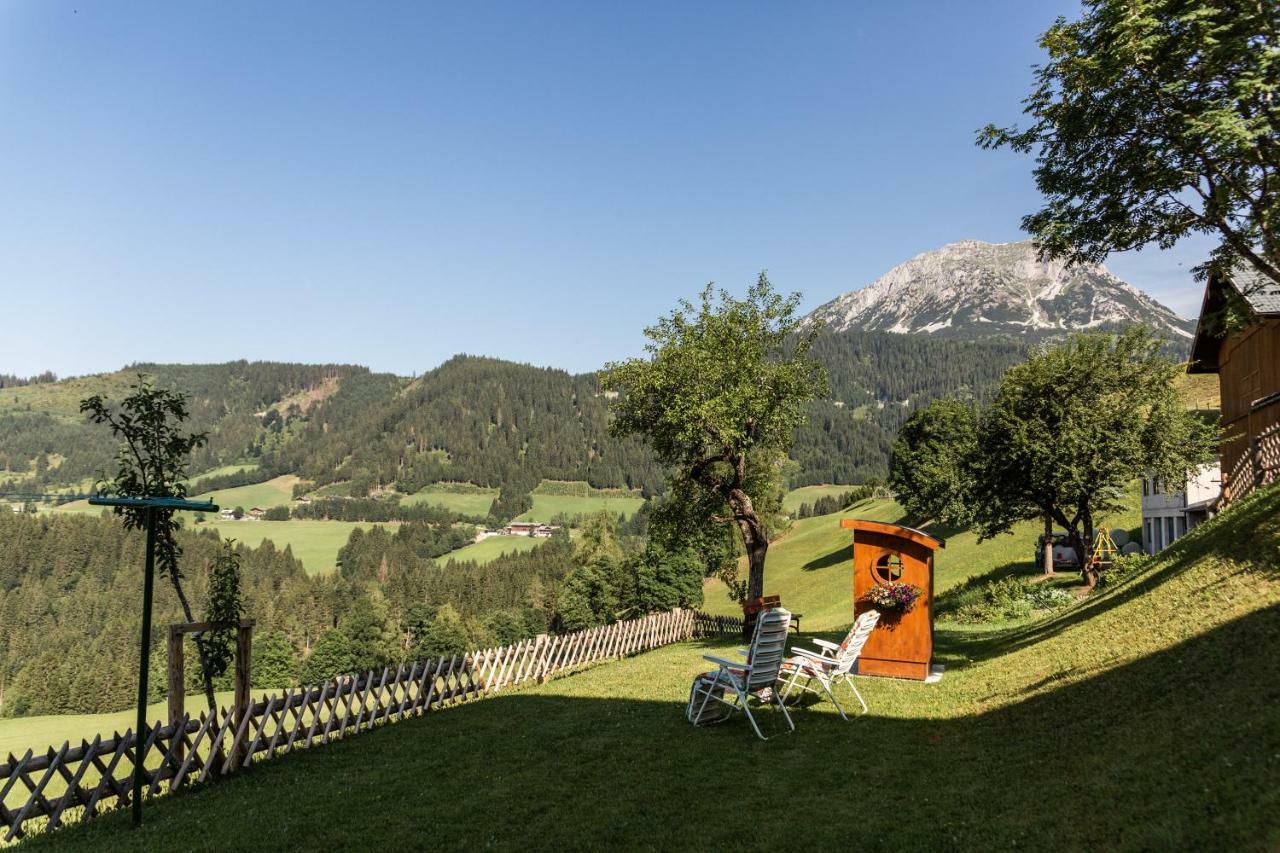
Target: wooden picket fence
[{"x": 49, "y": 788}]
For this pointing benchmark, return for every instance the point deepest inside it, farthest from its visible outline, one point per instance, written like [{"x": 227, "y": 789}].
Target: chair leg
[
  {"x": 826, "y": 686},
  {"x": 783, "y": 706},
  {"x": 746, "y": 709},
  {"x": 861, "y": 701}
]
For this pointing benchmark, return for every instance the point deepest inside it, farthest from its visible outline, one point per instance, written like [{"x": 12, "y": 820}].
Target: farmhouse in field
[
  {"x": 1169, "y": 510},
  {"x": 1247, "y": 361},
  {"x": 529, "y": 528},
  {"x": 227, "y": 514},
  {"x": 257, "y": 512}
]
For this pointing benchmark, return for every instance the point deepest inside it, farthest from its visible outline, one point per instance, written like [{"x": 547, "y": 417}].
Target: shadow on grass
[
  {"x": 842, "y": 556},
  {"x": 1174, "y": 751}
]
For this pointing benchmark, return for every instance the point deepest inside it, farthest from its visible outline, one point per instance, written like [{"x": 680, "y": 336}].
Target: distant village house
[{"x": 1168, "y": 513}]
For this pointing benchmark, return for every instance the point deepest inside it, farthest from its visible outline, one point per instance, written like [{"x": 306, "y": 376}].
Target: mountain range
[{"x": 973, "y": 289}]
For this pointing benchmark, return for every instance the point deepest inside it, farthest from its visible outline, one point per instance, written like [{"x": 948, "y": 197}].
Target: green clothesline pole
[{"x": 141, "y": 734}]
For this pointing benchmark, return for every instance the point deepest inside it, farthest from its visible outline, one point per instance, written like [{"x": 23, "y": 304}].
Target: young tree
[
  {"x": 720, "y": 397},
  {"x": 1073, "y": 426},
  {"x": 1152, "y": 120},
  {"x": 152, "y": 462},
  {"x": 932, "y": 456},
  {"x": 224, "y": 607}
]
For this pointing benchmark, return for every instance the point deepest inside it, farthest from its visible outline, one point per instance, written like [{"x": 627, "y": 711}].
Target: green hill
[{"x": 1146, "y": 717}]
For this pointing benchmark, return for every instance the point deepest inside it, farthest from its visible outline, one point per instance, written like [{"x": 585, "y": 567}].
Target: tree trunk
[
  {"x": 1090, "y": 575},
  {"x": 1048, "y": 545},
  {"x": 754, "y": 540}
]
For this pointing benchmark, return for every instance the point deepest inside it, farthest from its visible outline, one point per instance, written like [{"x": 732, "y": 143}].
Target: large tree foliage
[
  {"x": 1155, "y": 119},
  {"x": 726, "y": 384},
  {"x": 1065, "y": 436},
  {"x": 930, "y": 472}
]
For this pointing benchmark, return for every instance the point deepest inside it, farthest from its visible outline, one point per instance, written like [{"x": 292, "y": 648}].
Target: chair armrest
[
  {"x": 826, "y": 644},
  {"x": 813, "y": 656},
  {"x": 744, "y": 652},
  {"x": 727, "y": 664}
]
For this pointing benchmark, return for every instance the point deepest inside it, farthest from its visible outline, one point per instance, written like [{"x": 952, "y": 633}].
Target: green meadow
[
  {"x": 462, "y": 498},
  {"x": 489, "y": 549},
  {"x": 808, "y": 494},
  {"x": 274, "y": 492},
  {"x": 552, "y": 499},
  {"x": 315, "y": 543}
]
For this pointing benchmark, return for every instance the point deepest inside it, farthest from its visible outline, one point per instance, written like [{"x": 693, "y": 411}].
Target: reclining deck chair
[
  {"x": 737, "y": 682},
  {"x": 831, "y": 664}
]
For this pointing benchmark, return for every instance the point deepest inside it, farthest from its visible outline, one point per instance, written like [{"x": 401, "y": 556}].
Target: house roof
[{"x": 1260, "y": 293}]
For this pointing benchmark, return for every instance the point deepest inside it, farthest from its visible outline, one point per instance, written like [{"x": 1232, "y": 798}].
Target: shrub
[{"x": 1002, "y": 599}]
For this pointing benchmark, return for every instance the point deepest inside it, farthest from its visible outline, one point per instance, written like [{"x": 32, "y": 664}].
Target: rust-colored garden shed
[{"x": 902, "y": 644}]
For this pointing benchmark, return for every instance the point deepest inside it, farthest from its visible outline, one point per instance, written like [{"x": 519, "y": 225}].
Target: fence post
[
  {"x": 177, "y": 690},
  {"x": 244, "y": 652}
]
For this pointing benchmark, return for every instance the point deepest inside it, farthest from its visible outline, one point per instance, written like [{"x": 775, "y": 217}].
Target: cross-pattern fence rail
[
  {"x": 1256, "y": 468},
  {"x": 49, "y": 788}
]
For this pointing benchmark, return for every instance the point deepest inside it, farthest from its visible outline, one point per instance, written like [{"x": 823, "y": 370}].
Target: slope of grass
[
  {"x": 274, "y": 492},
  {"x": 811, "y": 565},
  {"x": 487, "y": 550},
  {"x": 1146, "y": 718},
  {"x": 462, "y": 498},
  {"x": 548, "y": 502},
  {"x": 792, "y": 500},
  {"x": 315, "y": 543}
]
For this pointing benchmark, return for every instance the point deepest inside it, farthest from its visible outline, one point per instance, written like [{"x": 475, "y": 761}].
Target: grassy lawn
[
  {"x": 465, "y": 499},
  {"x": 274, "y": 492},
  {"x": 315, "y": 543},
  {"x": 487, "y": 550},
  {"x": 1147, "y": 717},
  {"x": 808, "y": 494}
]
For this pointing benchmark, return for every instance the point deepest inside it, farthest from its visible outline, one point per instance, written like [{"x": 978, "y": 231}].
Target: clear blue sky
[{"x": 391, "y": 184}]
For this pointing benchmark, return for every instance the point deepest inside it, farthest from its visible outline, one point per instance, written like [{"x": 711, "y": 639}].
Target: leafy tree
[
  {"x": 666, "y": 579},
  {"x": 330, "y": 657},
  {"x": 275, "y": 662},
  {"x": 237, "y": 513},
  {"x": 1071, "y": 428},
  {"x": 153, "y": 462},
  {"x": 589, "y": 598},
  {"x": 930, "y": 472},
  {"x": 224, "y": 606},
  {"x": 724, "y": 388},
  {"x": 1152, "y": 120}
]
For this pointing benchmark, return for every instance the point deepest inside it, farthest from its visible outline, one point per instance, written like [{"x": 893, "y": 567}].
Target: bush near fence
[{"x": 96, "y": 776}]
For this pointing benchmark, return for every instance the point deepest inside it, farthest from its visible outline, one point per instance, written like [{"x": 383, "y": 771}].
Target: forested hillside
[
  {"x": 70, "y": 598},
  {"x": 480, "y": 420},
  {"x": 489, "y": 422},
  {"x": 45, "y": 442}
]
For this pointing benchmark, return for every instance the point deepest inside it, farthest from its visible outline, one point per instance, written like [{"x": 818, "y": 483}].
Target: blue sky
[{"x": 392, "y": 184}]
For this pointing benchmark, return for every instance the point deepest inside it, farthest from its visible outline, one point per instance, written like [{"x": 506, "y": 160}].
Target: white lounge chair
[
  {"x": 737, "y": 682},
  {"x": 833, "y": 663}
]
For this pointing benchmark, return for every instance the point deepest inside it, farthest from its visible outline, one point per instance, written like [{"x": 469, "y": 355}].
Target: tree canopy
[
  {"x": 1152, "y": 120},
  {"x": 725, "y": 386}
]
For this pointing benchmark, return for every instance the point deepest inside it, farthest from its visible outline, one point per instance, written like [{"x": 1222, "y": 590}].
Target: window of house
[
  {"x": 1168, "y": 531},
  {"x": 1182, "y": 526},
  {"x": 1144, "y": 487},
  {"x": 1149, "y": 540}
]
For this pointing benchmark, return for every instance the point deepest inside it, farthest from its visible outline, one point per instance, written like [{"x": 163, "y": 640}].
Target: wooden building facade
[{"x": 1247, "y": 361}]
